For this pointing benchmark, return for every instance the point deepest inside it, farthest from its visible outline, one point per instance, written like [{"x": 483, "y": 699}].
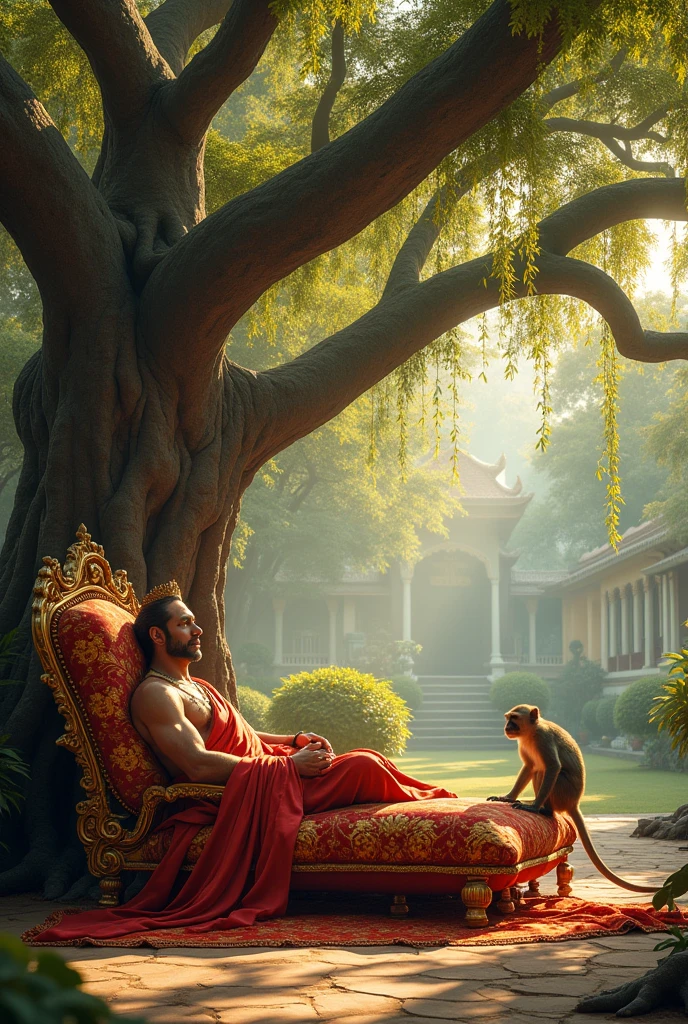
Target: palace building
[{"x": 477, "y": 615}]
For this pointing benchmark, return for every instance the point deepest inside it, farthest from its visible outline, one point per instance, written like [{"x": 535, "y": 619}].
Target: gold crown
[{"x": 171, "y": 589}]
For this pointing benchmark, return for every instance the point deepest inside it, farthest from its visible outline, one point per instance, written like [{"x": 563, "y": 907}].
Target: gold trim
[
  {"x": 86, "y": 572},
  {"x": 437, "y": 869}
]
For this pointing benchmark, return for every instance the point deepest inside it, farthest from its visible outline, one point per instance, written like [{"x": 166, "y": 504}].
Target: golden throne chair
[{"x": 82, "y": 629}]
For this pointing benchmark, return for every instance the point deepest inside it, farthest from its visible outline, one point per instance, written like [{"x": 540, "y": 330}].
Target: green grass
[{"x": 613, "y": 786}]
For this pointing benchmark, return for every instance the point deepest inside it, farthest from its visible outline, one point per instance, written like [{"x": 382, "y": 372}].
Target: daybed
[{"x": 82, "y": 628}]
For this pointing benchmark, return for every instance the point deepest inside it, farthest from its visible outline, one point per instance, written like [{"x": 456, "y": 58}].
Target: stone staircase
[{"x": 456, "y": 715}]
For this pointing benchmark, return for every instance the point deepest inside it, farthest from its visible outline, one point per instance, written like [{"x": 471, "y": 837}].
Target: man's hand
[
  {"x": 312, "y": 760},
  {"x": 313, "y": 737}
]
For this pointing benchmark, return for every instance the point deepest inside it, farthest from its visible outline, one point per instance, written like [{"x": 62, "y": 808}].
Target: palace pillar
[
  {"x": 673, "y": 612},
  {"x": 604, "y": 630},
  {"x": 332, "y": 608},
  {"x": 613, "y": 626},
  {"x": 649, "y": 623},
  {"x": 278, "y": 608},
  {"x": 637, "y": 645},
  {"x": 625, "y": 649},
  {"x": 496, "y": 660},
  {"x": 666, "y": 628},
  {"x": 590, "y": 609},
  {"x": 532, "y": 606},
  {"x": 406, "y": 577}
]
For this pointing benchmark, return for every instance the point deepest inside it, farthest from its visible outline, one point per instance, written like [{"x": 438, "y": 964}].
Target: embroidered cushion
[
  {"x": 104, "y": 665},
  {"x": 427, "y": 832}
]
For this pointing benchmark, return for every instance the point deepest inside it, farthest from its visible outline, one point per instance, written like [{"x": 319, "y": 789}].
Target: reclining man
[{"x": 243, "y": 872}]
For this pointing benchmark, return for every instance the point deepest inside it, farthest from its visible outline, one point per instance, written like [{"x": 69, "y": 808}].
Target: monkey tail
[{"x": 584, "y": 836}]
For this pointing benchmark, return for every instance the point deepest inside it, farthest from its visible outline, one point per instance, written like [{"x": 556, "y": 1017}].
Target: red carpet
[{"x": 349, "y": 922}]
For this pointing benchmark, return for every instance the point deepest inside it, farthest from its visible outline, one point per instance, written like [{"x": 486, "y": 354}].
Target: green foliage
[
  {"x": 660, "y": 755},
  {"x": 579, "y": 681},
  {"x": 263, "y": 684},
  {"x": 254, "y": 656},
  {"x": 634, "y": 705},
  {"x": 677, "y": 944},
  {"x": 670, "y": 707},
  {"x": 349, "y": 707},
  {"x": 589, "y": 716},
  {"x": 255, "y": 707},
  {"x": 520, "y": 688},
  {"x": 604, "y": 716},
  {"x": 409, "y": 690},
  {"x": 37, "y": 987},
  {"x": 675, "y": 886}
]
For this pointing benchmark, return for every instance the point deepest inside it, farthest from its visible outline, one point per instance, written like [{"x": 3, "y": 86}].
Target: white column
[
  {"x": 590, "y": 608},
  {"x": 624, "y": 622},
  {"x": 673, "y": 612},
  {"x": 349, "y": 615},
  {"x": 278, "y": 608},
  {"x": 649, "y": 623},
  {"x": 332, "y": 606},
  {"x": 496, "y": 660},
  {"x": 665, "y": 614},
  {"x": 613, "y": 621},
  {"x": 532, "y": 606},
  {"x": 406, "y": 577},
  {"x": 604, "y": 630},
  {"x": 637, "y": 644}
]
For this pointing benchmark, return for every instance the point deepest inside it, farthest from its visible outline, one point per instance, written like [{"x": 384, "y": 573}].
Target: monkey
[{"x": 553, "y": 762}]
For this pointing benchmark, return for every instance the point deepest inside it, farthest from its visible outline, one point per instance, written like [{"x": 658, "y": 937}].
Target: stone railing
[
  {"x": 305, "y": 660},
  {"x": 542, "y": 659}
]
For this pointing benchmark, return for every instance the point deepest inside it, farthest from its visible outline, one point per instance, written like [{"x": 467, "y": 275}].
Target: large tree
[{"x": 133, "y": 416}]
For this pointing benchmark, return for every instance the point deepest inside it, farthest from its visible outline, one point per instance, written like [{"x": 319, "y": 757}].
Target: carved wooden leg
[
  {"x": 505, "y": 904},
  {"x": 477, "y": 896},
  {"x": 517, "y": 896},
  {"x": 564, "y": 877},
  {"x": 399, "y": 907},
  {"x": 110, "y": 891},
  {"x": 534, "y": 887}
]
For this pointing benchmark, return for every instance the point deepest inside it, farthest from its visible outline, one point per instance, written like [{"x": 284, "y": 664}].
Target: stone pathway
[{"x": 386, "y": 985}]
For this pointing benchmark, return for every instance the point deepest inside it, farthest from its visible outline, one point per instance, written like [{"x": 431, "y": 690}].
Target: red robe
[{"x": 244, "y": 870}]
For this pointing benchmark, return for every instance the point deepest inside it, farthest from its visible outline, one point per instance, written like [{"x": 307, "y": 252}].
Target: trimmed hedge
[
  {"x": 634, "y": 705},
  {"x": 353, "y": 709},
  {"x": 605, "y": 716},
  {"x": 409, "y": 690},
  {"x": 520, "y": 688},
  {"x": 589, "y": 716},
  {"x": 254, "y": 706}
]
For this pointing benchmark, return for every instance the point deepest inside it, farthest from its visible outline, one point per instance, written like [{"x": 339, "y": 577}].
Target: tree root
[
  {"x": 672, "y": 826},
  {"x": 664, "y": 986}
]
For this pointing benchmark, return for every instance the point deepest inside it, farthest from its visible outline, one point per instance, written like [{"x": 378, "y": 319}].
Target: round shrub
[
  {"x": 605, "y": 716},
  {"x": 589, "y": 717},
  {"x": 254, "y": 706},
  {"x": 409, "y": 690},
  {"x": 634, "y": 705},
  {"x": 520, "y": 688},
  {"x": 351, "y": 708}
]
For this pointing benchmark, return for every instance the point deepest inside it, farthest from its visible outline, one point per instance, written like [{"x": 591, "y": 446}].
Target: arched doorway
[{"x": 451, "y": 614}]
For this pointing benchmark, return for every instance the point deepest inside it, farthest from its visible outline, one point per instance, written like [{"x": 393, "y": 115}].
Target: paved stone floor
[{"x": 385, "y": 985}]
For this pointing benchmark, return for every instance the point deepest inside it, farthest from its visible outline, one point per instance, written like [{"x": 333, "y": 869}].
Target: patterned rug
[{"x": 338, "y": 921}]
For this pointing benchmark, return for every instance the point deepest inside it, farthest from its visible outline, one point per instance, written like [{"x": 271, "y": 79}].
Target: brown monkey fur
[{"x": 553, "y": 762}]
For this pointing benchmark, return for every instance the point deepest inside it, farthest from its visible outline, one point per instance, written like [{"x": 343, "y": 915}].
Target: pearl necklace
[{"x": 203, "y": 702}]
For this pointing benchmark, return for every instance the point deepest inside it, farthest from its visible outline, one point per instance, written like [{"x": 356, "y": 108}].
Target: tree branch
[
  {"x": 176, "y": 24},
  {"x": 331, "y": 195},
  {"x": 62, "y": 226},
  {"x": 569, "y": 89},
  {"x": 219, "y": 68},
  {"x": 301, "y": 395},
  {"x": 320, "y": 128},
  {"x": 617, "y": 139},
  {"x": 124, "y": 58}
]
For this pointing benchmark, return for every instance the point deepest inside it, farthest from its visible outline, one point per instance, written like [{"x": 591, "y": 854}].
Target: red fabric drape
[{"x": 255, "y": 826}]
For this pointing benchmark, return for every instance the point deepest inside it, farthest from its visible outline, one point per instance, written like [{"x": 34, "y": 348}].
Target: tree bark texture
[{"x": 133, "y": 419}]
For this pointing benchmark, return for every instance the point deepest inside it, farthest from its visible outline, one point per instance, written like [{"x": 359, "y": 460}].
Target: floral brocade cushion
[
  {"x": 442, "y": 833},
  {"x": 104, "y": 665}
]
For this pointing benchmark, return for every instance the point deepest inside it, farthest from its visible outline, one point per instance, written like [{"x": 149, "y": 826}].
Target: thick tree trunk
[{"x": 107, "y": 445}]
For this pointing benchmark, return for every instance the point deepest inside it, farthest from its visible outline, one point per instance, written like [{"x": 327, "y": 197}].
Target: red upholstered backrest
[{"x": 104, "y": 665}]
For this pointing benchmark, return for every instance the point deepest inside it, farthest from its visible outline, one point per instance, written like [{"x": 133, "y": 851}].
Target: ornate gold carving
[
  {"x": 108, "y": 844},
  {"x": 505, "y": 904},
  {"x": 439, "y": 869},
  {"x": 477, "y": 896},
  {"x": 534, "y": 887}
]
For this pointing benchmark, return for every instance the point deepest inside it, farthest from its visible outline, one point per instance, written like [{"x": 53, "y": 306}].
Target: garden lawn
[{"x": 613, "y": 786}]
